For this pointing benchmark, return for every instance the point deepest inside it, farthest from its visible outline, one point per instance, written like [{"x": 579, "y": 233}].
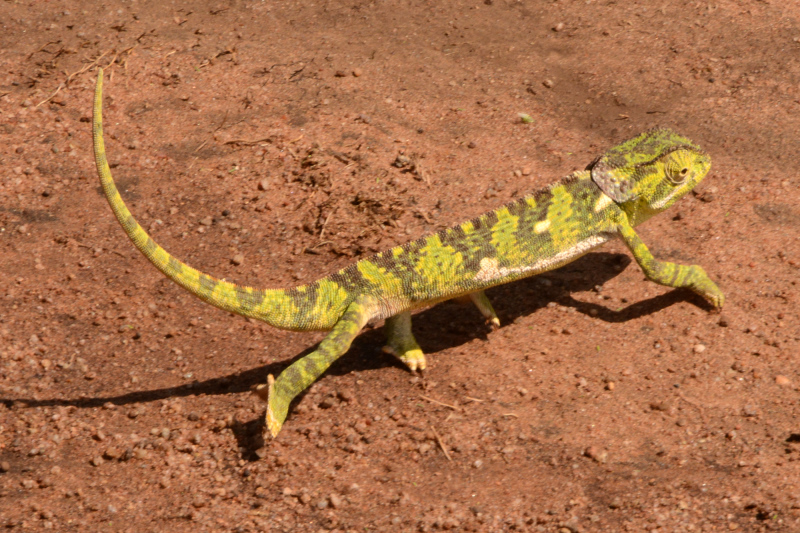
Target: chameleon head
[
  {"x": 677, "y": 172},
  {"x": 650, "y": 172}
]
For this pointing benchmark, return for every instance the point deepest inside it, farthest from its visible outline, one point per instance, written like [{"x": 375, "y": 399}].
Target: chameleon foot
[
  {"x": 401, "y": 342},
  {"x": 413, "y": 358},
  {"x": 702, "y": 285}
]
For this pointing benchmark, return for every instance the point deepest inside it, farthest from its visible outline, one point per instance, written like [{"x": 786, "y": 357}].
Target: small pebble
[
  {"x": 345, "y": 395},
  {"x": 336, "y": 501},
  {"x": 750, "y": 410},
  {"x": 558, "y": 27},
  {"x": 97, "y": 461},
  {"x": 699, "y": 348},
  {"x": 357, "y": 72},
  {"x": 112, "y": 453},
  {"x": 5, "y": 466},
  {"x": 263, "y": 184},
  {"x": 327, "y": 403},
  {"x": 783, "y": 381},
  {"x": 477, "y": 464},
  {"x": 237, "y": 259},
  {"x": 596, "y": 454},
  {"x": 548, "y": 83}
]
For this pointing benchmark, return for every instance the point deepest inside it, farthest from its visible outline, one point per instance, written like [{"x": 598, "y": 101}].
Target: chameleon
[{"x": 538, "y": 232}]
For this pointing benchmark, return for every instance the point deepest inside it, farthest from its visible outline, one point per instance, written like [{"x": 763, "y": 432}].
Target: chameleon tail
[{"x": 316, "y": 306}]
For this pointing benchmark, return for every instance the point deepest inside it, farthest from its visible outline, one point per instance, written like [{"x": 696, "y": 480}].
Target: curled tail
[{"x": 316, "y": 306}]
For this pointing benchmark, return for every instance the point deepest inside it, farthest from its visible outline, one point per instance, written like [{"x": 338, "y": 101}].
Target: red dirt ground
[{"x": 267, "y": 132}]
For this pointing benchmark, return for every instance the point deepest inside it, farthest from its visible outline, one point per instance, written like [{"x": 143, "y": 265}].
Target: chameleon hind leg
[
  {"x": 279, "y": 393},
  {"x": 483, "y": 304},
  {"x": 670, "y": 274},
  {"x": 401, "y": 342}
]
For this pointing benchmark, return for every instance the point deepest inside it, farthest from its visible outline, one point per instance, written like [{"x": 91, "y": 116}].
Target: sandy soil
[{"x": 257, "y": 140}]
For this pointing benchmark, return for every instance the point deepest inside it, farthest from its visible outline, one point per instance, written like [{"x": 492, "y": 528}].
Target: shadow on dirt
[{"x": 442, "y": 327}]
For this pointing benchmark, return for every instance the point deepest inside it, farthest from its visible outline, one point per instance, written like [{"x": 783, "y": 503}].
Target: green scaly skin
[{"x": 542, "y": 231}]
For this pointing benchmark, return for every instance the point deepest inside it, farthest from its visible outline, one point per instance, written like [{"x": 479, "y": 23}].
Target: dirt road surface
[{"x": 273, "y": 142}]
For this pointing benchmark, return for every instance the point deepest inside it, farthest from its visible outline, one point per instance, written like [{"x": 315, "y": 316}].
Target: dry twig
[
  {"x": 453, "y": 407},
  {"x": 474, "y": 399},
  {"x": 441, "y": 444},
  {"x": 249, "y": 142},
  {"x": 322, "y": 230}
]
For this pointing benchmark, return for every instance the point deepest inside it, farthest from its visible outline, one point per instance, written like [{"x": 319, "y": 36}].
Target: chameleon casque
[{"x": 542, "y": 231}]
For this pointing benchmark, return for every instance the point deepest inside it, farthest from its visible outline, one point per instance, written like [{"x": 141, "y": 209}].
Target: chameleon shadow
[{"x": 441, "y": 327}]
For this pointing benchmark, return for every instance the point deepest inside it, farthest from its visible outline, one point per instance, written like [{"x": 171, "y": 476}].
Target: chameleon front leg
[
  {"x": 296, "y": 378},
  {"x": 401, "y": 342},
  {"x": 670, "y": 274}
]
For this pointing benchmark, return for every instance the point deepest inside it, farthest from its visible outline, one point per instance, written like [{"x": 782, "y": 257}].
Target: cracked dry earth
[{"x": 272, "y": 142}]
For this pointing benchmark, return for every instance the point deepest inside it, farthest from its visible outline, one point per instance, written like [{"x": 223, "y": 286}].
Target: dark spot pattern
[
  {"x": 207, "y": 283},
  {"x": 175, "y": 265},
  {"x": 249, "y": 299}
]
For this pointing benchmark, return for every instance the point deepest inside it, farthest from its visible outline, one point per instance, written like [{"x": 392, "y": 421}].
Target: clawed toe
[{"x": 413, "y": 358}]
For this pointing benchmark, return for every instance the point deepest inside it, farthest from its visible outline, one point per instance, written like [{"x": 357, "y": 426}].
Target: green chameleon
[{"x": 542, "y": 231}]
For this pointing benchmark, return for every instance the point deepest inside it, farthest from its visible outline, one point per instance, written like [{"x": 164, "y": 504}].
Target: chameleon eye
[
  {"x": 678, "y": 176},
  {"x": 676, "y": 170}
]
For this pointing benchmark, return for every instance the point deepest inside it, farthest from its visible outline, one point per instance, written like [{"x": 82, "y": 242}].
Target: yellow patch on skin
[
  {"x": 504, "y": 237},
  {"x": 541, "y": 227},
  {"x": 602, "y": 202}
]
